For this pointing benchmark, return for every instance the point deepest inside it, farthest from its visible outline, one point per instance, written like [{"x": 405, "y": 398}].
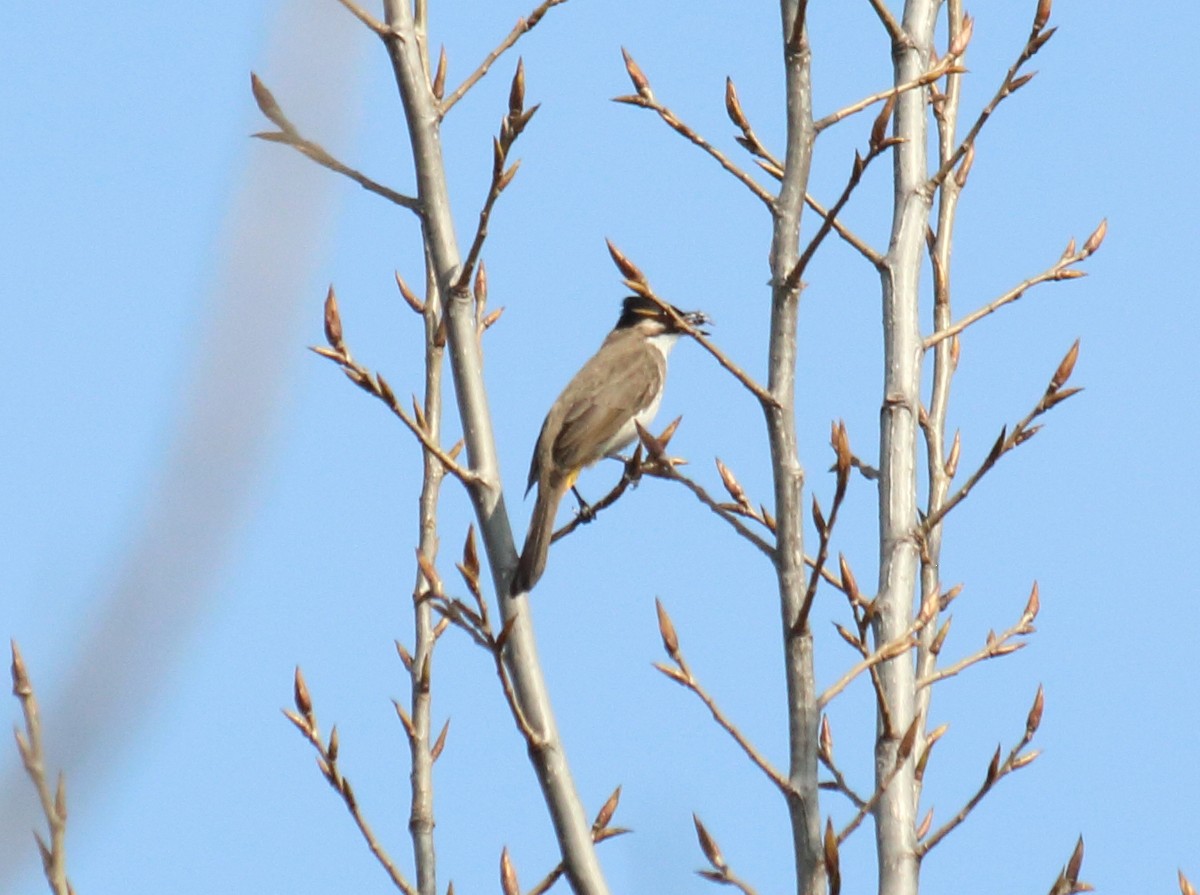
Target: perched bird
[{"x": 595, "y": 416}]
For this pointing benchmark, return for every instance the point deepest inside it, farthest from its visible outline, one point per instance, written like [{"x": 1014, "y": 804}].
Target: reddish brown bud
[
  {"x": 879, "y": 127},
  {"x": 628, "y": 269},
  {"x": 1042, "y": 16},
  {"x": 301, "y": 696},
  {"x": 732, "y": 485},
  {"x": 516, "y": 93},
  {"x": 640, "y": 82},
  {"x": 733, "y": 107},
  {"x": 1017, "y": 83},
  {"x": 666, "y": 630},
  {"x": 1065, "y": 367},
  {"x": 1185, "y": 885},
  {"x": 951, "y": 466},
  {"x": 994, "y": 766},
  {"x": 607, "y": 810},
  {"x": 440, "y": 743},
  {"x": 1035, "y": 713},
  {"x": 409, "y": 296},
  {"x": 830, "y": 854},
  {"x": 508, "y": 875},
  {"x": 1075, "y": 864},
  {"x": 964, "y": 169},
  {"x": 959, "y": 46},
  {"x": 908, "y": 740},
  {"x": 439, "y": 78},
  {"x": 1027, "y": 759},
  {"x": 926, "y": 823},
  {"x": 709, "y": 846},
  {"x": 1097, "y": 237},
  {"x": 333, "y": 321},
  {"x": 825, "y": 742},
  {"x": 939, "y": 639}
]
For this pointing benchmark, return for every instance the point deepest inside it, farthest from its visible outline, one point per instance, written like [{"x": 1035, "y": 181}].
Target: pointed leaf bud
[
  {"x": 439, "y": 78},
  {"x": 908, "y": 741},
  {"x": 301, "y": 696},
  {"x": 332, "y": 749},
  {"x": 666, "y": 630},
  {"x": 825, "y": 743},
  {"x": 333, "y": 321},
  {"x": 732, "y": 485},
  {"x": 1185, "y": 885},
  {"x": 830, "y": 854},
  {"x": 516, "y": 93},
  {"x": 481, "y": 284},
  {"x": 409, "y": 296},
  {"x": 1035, "y": 713},
  {"x": 628, "y": 269},
  {"x": 709, "y": 846},
  {"x": 926, "y": 823},
  {"x": 607, "y": 810},
  {"x": 440, "y": 743},
  {"x": 1042, "y": 16},
  {"x": 994, "y": 766},
  {"x": 1065, "y": 367},
  {"x": 508, "y": 875},
  {"x": 1075, "y": 864},
  {"x": 951, "y": 466},
  {"x": 640, "y": 83},
  {"x": 1097, "y": 237},
  {"x": 959, "y": 46},
  {"x": 879, "y": 127},
  {"x": 964, "y": 169},
  {"x": 733, "y": 107}
]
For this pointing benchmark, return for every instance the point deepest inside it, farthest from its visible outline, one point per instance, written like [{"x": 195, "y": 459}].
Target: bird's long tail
[{"x": 537, "y": 539}]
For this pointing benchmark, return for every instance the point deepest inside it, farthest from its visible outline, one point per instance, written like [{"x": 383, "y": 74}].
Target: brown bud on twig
[
  {"x": 848, "y": 637},
  {"x": 949, "y": 597},
  {"x": 654, "y": 446},
  {"x": 409, "y": 296},
  {"x": 481, "y": 284},
  {"x": 1035, "y": 713},
  {"x": 1017, "y": 83},
  {"x": 429, "y": 572},
  {"x": 732, "y": 485},
  {"x": 925, "y": 824},
  {"x": 709, "y": 846},
  {"x": 908, "y": 741},
  {"x": 955, "y": 351},
  {"x": 470, "y": 554},
  {"x": 673, "y": 673},
  {"x": 1075, "y": 864},
  {"x": 440, "y": 743},
  {"x": 1033, "y": 604},
  {"x": 405, "y": 656},
  {"x": 439, "y": 78},
  {"x": 668, "y": 433},
  {"x": 640, "y": 83},
  {"x": 830, "y": 854},
  {"x": 1042, "y": 16},
  {"x": 951, "y": 466},
  {"x": 959, "y": 46},
  {"x": 267, "y": 105},
  {"x": 20, "y": 674},
  {"x": 507, "y": 176},
  {"x": 607, "y": 810},
  {"x": 666, "y": 630},
  {"x": 334, "y": 743},
  {"x": 516, "y": 93},
  {"x": 939, "y": 639},
  {"x": 628, "y": 269},
  {"x": 849, "y": 585},
  {"x": 301, "y": 696},
  {"x": 1065, "y": 367},
  {"x": 879, "y": 127},
  {"x": 1027, "y": 759},
  {"x": 825, "y": 742},
  {"x": 733, "y": 107},
  {"x": 508, "y": 875},
  {"x": 1097, "y": 237},
  {"x": 994, "y": 766},
  {"x": 840, "y": 440},
  {"x": 819, "y": 518},
  {"x": 333, "y": 322},
  {"x": 1185, "y": 885}
]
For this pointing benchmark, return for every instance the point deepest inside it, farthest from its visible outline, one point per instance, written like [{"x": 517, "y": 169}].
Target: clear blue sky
[{"x": 160, "y": 267}]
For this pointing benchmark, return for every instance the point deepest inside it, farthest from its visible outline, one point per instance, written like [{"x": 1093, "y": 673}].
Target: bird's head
[{"x": 637, "y": 310}]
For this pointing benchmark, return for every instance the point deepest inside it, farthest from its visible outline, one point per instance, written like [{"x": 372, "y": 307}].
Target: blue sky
[{"x": 163, "y": 273}]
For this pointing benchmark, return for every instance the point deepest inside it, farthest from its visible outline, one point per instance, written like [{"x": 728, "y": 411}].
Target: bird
[{"x": 597, "y": 415}]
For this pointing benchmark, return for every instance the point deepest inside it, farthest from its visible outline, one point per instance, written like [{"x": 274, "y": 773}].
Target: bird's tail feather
[{"x": 537, "y": 539}]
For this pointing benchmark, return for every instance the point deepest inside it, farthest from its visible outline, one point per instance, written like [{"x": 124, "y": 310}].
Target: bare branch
[
  {"x": 522, "y": 27},
  {"x": 1062, "y": 269},
  {"x": 995, "y": 646},
  {"x": 683, "y": 676},
  {"x": 645, "y": 99},
  {"x": 894, "y": 29},
  {"x": 721, "y": 872},
  {"x": 947, "y": 65},
  {"x": 288, "y": 135},
  {"x": 305, "y": 721},
  {"x": 53, "y": 799},
  {"x": 381, "y": 30},
  {"x": 669, "y": 472}
]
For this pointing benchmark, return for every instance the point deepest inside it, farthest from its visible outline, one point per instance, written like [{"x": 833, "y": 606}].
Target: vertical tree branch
[
  {"x": 895, "y": 812},
  {"x": 788, "y": 474},
  {"x": 422, "y": 113},
  {"x": 421, "y": 819},
  {"x": 939, "y": 465}
]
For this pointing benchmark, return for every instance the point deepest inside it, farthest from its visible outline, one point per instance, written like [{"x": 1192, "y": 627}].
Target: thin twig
[
  {"x": 645, "y": 99},
  {"x": 683, "y": 676},
  {"x": 1054, "y": 395},
  {"x": 631, "y": 474},
  {"x": 888, "y": 651},
  {"x": 996, "y": 645},
  {"x": 894, "y": 29},
  {"x": 846, "y": 233},
  {"x": 380, "y": 29},
  {"x": 304, "y": 718},
  {"x": 523, "y": 25},
  {"x": 1011, "y": 83},
  {"x": 1062, "y": 269},
  {"x": 669, "y": 472},
  {"x": 946, "y": 65},
  {"x": 288, "y": 135},
  {"x": 841, "y": 446},
  {"x": 53, "y": 802}
]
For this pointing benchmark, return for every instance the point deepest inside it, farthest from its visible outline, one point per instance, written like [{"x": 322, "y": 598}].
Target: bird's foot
[{"x": 586, "y": 511}]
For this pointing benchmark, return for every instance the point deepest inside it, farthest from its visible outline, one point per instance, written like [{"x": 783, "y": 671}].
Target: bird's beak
[{"x": 698, "y": 319}]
